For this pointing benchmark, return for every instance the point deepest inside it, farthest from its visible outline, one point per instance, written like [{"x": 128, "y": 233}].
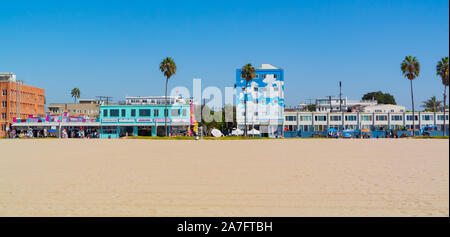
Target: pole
[{"x": 340, "y": 96}]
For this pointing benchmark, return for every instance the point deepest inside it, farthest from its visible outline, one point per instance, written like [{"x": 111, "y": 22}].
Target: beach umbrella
[
  {"x": 216, "y": 133},
  {"x": 237, "y": 132},
  {"x": 254, "y": 132},
  {"x": 365, "y": 130},
  {"x": 332, "y": 130}
]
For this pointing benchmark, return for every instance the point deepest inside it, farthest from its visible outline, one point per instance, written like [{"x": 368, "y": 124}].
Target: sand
[{"x": 291, "y": 177}]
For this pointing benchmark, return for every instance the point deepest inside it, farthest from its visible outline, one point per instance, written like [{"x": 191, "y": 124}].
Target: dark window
[
  {"x": 144, "y": 113},
  {"x": 114, "y": 113},
  {"x": 105, "y": 113},
  {"x": 133, "y": 113},
  {"x": 166, "y": 112},
  {"x": 156, "y": 113},
  {"x": 123, "y": 113}
]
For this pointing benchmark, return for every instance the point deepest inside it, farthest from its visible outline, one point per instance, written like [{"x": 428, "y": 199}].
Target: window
[
  {"x": 427, "y": 117},
  {"x": 256, "y": 113},
  {"x": 114, "y": 113},
  {"x": 133, "y": 113},
  {"x": 381, "y": 117},
  {"x": 366, "y": 118},
  {"x": 109, "y": 130},
  {"x": 409, "y": 117},
  {"x": 184, "y": 112},
  {"x": 263, "y": 76},
  {"x": 255, "y": 89},
  {"x": 155, "y": 113},
  {"x": 305, "y": 118},
  {"x": 397, "y": 118},
  {"x": 335, "y": 118},
  {"x": 174, "y": 112},
  {"x": 144, "y": 113},
  {"x": 378, "y": 111},
  {"x": 320, "y": 118},
  {"x": 275, "y": 76},
  {"x": 441, "y": 117},
  {"x": 123, "y": 113},
  {"x": 291, "y": 118},
  {"x": 105, "y": 113},
  {"x": 350, "y": 118},
  {"x": 166, "y": 112}
]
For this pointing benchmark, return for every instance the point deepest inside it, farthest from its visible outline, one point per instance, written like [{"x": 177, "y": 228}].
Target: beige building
[
  {"x": 86, "y": 108},
  {"x": 384, "y": 108}
]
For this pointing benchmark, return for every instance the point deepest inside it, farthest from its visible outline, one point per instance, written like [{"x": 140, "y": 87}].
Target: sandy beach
[{"x": 290, "y": 177}]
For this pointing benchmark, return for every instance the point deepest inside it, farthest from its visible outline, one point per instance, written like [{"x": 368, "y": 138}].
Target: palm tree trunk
[
  {"x": 165, "y": 111},
  {"x": 445, "y": 98},
  {"x": 412, "y": 102},
  {"x": 245, "y": 105}
]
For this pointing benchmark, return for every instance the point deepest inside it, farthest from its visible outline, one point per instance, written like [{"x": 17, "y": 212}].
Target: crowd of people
[{"x": 43, "y": 133}]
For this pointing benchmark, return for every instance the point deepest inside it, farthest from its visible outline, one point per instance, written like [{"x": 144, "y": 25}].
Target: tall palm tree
[
  {"x": 75, "y": 94},
  {"x": 442, "y": 71},
  {"x": 168, "y": 68},
  {"x": 411, "y": 68},
  {"x": 248, "y": 73},
  {"x": 432, "y": 104}
]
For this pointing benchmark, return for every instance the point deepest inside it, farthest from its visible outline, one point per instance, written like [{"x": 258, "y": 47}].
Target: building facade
[
  {"x": 87, "y": 108},
  {"x": 385, "y": 108},
  {"x": 154, "y": 100},
  {"x": 331, "y": 104},
  {"x": 265, "y": 100},
  {"x": 18, "y": 101},
  {"x": 143, "y": 120},
  {"x": 373, "y": 121}
]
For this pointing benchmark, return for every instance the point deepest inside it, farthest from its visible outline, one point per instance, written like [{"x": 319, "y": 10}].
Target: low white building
[
  {"x": 154, "y": 100},
  {"x": 375, "y": 121},
  {"x": 384, "y": 108},
  {"x": 336, "y": 104}
]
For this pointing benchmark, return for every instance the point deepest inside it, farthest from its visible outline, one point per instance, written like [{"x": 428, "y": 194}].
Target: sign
[
  {"x": 161, "y": 120},
  {"x": 109, "y": 120},
  {"x": 148, "y": 120},
  {"x": 179, "y": 121},
  {"x": 126, "y": 120}
]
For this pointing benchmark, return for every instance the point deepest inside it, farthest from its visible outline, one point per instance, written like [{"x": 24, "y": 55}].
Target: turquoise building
[{"x": 143, "y": 120}]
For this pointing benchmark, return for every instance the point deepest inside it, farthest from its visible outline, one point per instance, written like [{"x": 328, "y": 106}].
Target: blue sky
[{"x": 114, "y": 47}]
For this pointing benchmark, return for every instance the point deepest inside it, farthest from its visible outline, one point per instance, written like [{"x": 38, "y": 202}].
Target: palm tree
[
  {"x": 442, "y": 71},
  {"x": 411, "y": 68},
  {"x": 168, "y": 68},
  {"x": 75, "y": 93},
  {"x": 432, "y": 104},
  {"x": 248, "y": 73}
]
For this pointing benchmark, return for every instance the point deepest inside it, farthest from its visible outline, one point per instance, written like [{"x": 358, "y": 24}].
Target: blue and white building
[{"x": 265, "y": 101}]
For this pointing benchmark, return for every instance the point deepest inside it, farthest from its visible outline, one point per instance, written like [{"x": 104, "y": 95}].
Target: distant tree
[
  {"x": 432, "y": 104},
  {"x": 410, "y": 68},
  {"x": 75, "y": 94},
  {"x": 168, "y": 68},
  {"x": 311, "y": 108},
  {"x": 380, "y": 97},
  {"x": 442, "y": 71}
]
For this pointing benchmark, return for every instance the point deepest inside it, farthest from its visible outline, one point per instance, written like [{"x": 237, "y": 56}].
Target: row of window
[
  {"x": 363, "y": 118},
  {"x": 114, "y": 113},
  {"x": 264, "y": 76},
  {"x": 310, "y": 128}
]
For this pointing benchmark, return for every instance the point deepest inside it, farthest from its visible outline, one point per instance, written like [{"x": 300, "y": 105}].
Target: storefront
[{"x": 143, "y": 120}]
